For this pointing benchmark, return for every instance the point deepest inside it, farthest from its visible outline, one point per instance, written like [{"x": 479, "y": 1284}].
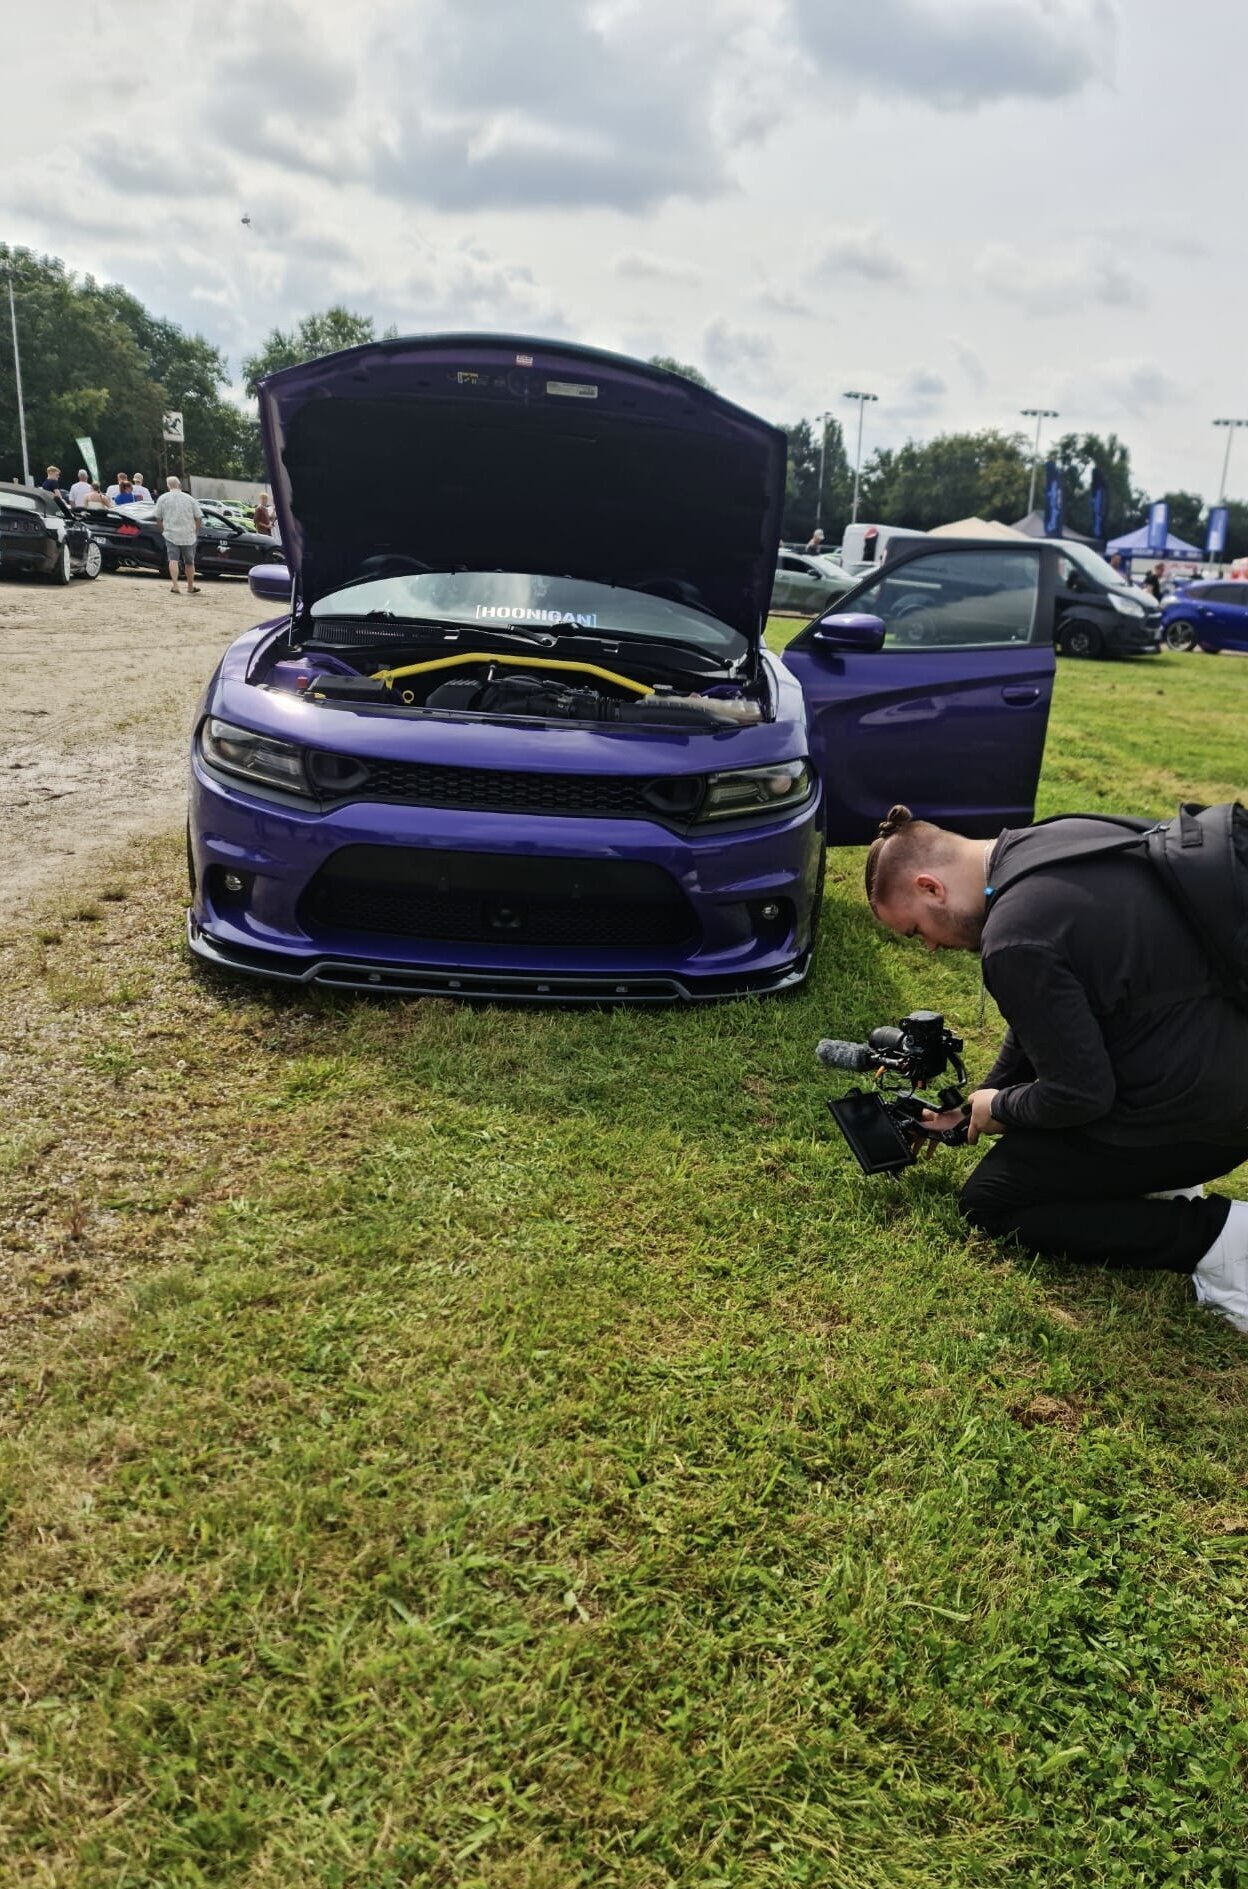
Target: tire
[
  {"x": 1179, "y": 635},
  {"x": 92, "y": 560},
  {"x": 63, "y": 570},
  {"x": 1083, "y": 640}
]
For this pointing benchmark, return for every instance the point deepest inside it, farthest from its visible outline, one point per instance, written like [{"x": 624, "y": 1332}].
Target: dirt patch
[{"x": 100, "y": 684}]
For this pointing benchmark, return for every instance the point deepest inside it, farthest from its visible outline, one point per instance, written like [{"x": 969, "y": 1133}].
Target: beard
[{"x": 966, "y": 930}]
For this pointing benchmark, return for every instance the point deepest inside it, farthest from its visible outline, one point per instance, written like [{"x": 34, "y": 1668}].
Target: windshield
[
  {"x": 502, "y": 599},
  {"x": 1095, "y": 567}
]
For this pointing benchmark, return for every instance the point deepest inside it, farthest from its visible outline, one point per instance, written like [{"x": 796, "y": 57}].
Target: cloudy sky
[{"x": 965, "y": 206}]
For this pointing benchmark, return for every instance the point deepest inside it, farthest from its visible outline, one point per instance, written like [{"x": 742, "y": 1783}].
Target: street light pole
[
  {"x": 823, "y": 419},
  {"x": 1039, "y": 415},
  {"x": 1230, "y": 426},
  {"x": 17, "y": 376},
  {"x": 862, "y": 400}
]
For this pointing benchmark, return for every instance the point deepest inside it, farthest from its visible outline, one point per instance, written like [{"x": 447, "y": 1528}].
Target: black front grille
[
  {"x": 499, "y": 899},
  {"x": 509, "y": 792}
]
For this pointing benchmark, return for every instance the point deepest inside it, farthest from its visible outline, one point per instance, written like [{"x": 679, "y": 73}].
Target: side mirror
[
  {"x": 270, "y": 582},
  {"x": 850, "y": 630}
]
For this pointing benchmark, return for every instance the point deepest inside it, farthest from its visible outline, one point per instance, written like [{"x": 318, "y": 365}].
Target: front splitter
[{"x": 354, "y": 974}]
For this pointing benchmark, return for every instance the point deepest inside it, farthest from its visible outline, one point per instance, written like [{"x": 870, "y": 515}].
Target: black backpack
[{"x": 1200, "y": 857}]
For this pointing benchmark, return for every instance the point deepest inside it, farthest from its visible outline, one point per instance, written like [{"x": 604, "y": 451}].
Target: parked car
[
  {"x": 40, "y": 535},
  {"x": 1209, "y": 616},
  {"x": 807, "y": 583},
  {"x": 132, "y": 536},
  {"x": 554, "y": 758},
  {"x": 1099, "y": 613}
]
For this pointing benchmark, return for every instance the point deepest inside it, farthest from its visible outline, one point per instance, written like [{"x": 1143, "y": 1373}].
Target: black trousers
[{"x": 1066, "y": 1195}]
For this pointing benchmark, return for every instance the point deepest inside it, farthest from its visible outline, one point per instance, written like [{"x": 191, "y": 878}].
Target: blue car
[
  {"x": 1211, "y": 615},
  {"x": 516, "y": 731}
]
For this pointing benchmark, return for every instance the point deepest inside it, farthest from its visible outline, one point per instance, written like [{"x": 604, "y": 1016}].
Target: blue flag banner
[
  {"x": 1100, "y": 502},
  {"x": 1158, "y": 525},
  {"x": 1215, "y": 537},
  {"x": 1052, "y": 500}
]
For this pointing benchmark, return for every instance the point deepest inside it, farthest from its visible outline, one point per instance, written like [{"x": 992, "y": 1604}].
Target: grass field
[{"x": 465, "y": 1446}]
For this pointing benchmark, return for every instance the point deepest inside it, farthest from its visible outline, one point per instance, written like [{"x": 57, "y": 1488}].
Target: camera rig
[{"x": 884, "y": 1127}]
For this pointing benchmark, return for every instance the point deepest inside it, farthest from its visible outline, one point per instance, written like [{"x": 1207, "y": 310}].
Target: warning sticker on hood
[{"x": 573, "y": 389}]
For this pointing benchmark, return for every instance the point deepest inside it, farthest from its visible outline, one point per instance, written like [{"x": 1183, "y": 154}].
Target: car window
[
  {"x": 215, "y": 527},
  {"x": 955, "y": 600},
  {"x": 793, "y": 564},
  {"x": 1236, "y": 594}
]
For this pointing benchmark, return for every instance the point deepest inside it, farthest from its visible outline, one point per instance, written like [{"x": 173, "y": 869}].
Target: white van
[{"x": 868, "y": 544}]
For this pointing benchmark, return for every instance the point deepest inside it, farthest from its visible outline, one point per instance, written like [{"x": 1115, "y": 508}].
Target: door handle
[{"x": 1021, "y": 695}]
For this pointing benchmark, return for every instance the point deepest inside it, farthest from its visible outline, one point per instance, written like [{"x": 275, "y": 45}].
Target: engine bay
[{"x": 550, "y": 687}]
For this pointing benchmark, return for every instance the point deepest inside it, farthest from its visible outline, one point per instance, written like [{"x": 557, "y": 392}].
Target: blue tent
[{"x": 1135, "y": 545}]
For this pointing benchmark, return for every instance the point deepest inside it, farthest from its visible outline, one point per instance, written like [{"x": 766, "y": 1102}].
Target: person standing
[
  {"x": 137, "y": 488},
  {"x": 115, "y": 487},
  {"x": 263, "y": 516},
  {"x": 124, "y": 495},
  {"x": 814, "y": 544},
  {"x": 53, "y": 481},
  {"x": 180, "y": 518},
  {"x": 80, "y": 490},
  {"x": 95, "y": 500},
  {"x": 1152, "y": 580}
]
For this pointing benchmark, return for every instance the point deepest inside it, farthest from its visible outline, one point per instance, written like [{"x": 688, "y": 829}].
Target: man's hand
[{"x": 983, "y": 1121}]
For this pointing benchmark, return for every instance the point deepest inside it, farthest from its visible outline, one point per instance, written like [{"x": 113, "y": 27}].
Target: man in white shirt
[
  {"x": 180, "y": 518},
  {"x": 80, "y": 490},
  {"x": 138, "y": 488}
]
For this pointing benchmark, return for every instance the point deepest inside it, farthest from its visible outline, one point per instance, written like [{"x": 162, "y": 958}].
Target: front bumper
[{"x": 282, "y": 926}]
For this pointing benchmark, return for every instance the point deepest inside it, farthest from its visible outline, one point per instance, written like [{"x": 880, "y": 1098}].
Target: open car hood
[{"x": 492, "y": 452}]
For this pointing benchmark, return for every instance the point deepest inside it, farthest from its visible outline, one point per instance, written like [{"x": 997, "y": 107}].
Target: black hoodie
[{"x": 1115, "y": 1026}]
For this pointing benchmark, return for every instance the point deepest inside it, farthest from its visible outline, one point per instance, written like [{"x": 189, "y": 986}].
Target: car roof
[{"x": 19, "y": 501}]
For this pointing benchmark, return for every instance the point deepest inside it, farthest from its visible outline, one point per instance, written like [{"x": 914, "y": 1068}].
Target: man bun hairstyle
[{"x": 902, "y": 844}]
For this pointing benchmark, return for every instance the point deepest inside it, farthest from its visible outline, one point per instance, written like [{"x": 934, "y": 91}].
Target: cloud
[
  {"x": 1113, "y": 388},
  {"x": 641, "y": 265},
  {"x": 144, "y": 170},
  {"x": 743, "y": 358},
  {"x": 959, "y": 54},
  {"x": 785, "y": 302},
  {"x": 558, "y": 103},
  {"x": 859, "y": 253},
  {"x": 288, "y": 109},
  {"x": 921, "y": 384},
  {"x": 971, "y": 365},
  {"x": 1059, "y": 283}
]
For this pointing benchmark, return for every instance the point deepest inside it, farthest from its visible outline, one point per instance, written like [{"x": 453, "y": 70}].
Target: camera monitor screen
[{"x": 875, "y": 1140}]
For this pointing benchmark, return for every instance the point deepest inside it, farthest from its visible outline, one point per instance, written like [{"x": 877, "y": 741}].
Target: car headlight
[
  {"x": 1126, "y": 606},
  {"x": 254, "y": 757},
  {"x": 745, "y": 790}
]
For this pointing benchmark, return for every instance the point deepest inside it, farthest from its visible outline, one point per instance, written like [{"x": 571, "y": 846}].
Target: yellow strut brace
[{"x": 514, "y": 662}]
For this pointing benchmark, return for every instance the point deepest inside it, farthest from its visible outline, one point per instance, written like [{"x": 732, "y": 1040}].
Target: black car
[
  {"x": 40, "y": 535},
  {"x": 1098, "y": 611},
  {"x": 132, "y": 535}
]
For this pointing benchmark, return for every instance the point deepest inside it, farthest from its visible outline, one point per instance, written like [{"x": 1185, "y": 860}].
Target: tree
[
  {"x": 678, "y": 367},
  {"x": 327, "y": 333},
  {"x": 957, "y": 475},
  {"x": 95, "y": 361},
  {"x": 1076, "y": 455},
  {"x": 801, "y": 486}
]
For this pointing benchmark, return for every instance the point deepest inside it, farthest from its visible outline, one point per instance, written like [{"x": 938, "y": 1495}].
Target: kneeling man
[{"x": 1122, "y": 1083}]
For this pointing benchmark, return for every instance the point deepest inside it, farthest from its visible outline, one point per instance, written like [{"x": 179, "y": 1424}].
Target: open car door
[{"x": 934, "y": 688}]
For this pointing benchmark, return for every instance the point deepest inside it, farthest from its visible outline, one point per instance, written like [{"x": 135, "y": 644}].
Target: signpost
[{"x": 174, "y": 434}]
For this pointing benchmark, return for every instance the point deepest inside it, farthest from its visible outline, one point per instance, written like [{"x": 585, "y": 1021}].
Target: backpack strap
[{"x": 1124, "y": 835}]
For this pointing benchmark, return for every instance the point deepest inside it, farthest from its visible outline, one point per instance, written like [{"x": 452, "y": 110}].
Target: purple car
[{"x": 516, "y": 732}]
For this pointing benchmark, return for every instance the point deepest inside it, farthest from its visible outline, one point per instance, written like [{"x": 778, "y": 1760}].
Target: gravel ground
[{"x": 100, "y": 683}]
